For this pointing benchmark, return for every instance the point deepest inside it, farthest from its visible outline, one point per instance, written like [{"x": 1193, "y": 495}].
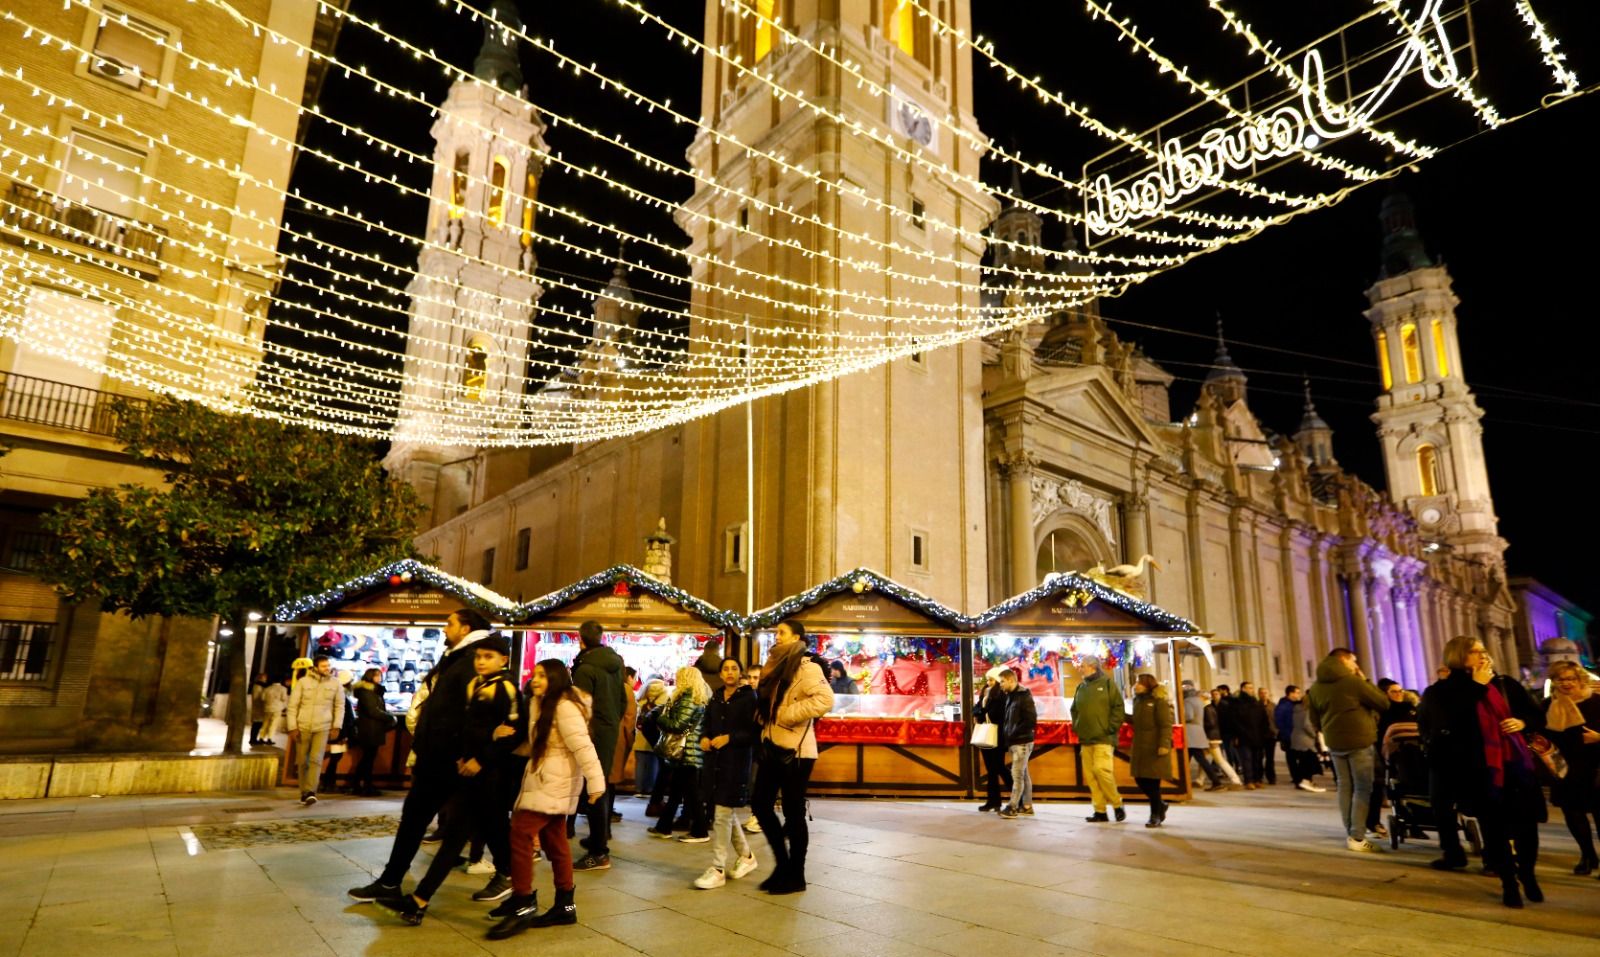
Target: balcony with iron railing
[
  {"x": 29, "y": 209},
  {"x": 59, "y": 405}
]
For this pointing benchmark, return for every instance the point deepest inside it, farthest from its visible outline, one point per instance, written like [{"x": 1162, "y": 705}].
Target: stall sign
[
  {"x": 637, "y": 611},
  {"x": 402, "y": 603},
  {"x": 870, "y": 611},
  {"x": 1065, "y": 612}
]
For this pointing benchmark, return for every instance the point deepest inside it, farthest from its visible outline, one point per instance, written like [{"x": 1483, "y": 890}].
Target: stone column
[
  {"x": 1024, "y": 557},
  {"x": 1136, "y": 537},
  {"x": 1361, "y": 625}
]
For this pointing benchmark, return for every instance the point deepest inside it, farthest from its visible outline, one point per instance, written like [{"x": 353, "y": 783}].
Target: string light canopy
[{"x": 358, "y": 341}]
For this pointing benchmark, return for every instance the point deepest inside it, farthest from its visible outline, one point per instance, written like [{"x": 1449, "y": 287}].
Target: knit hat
[{"x": 495, "y": 642}]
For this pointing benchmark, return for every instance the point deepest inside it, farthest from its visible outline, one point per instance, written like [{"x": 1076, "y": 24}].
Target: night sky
[{"x": 1510, "y": 212}]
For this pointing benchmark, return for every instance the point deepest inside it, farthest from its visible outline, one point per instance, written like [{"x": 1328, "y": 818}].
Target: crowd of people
[
  {"x": 724, "y": 753},
  {"x": 512, "y": 769}
]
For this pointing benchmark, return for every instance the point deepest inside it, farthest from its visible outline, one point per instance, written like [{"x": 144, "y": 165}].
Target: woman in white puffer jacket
[{"x": 562, "y": 757}]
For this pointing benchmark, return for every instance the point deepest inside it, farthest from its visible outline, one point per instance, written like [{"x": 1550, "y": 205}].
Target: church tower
[
  {"x": 883, "y": 467},
  {"x": 474, "y": 294},
  {"x": 1428, "y": 421}
]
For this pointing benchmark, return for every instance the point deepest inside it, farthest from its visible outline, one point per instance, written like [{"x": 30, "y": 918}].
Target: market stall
[
  {"x": 901, "y": 730},
  {"x": 1044, "y": 633},
  {"x": 393, "y": 619}
]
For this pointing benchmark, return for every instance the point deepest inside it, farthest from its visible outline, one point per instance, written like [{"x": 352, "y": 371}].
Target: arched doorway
[{"x": 1070, "y": 544}]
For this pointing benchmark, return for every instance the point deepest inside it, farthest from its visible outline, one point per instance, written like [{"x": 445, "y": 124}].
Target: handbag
[
  {"x": 671, "y": 747},
  {"x": 777, "y": 755},
  {"x": 1552, "y": 765},
  {"x": 986, "y": 735}
]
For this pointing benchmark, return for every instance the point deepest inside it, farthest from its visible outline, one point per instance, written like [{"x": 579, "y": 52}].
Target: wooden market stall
[
  {"x": 656, "y": 627},
  {"x": 393, "y": 619},
  {"x": 902, "y": 733},
  {"x": 1043, "y": 633}
]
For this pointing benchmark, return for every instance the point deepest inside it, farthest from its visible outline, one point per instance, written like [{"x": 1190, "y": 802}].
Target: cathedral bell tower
[
  {"x": 1428, "y": 421},
  {"x": 474, "y": 294},
  {"x": 882, "y": 467}
]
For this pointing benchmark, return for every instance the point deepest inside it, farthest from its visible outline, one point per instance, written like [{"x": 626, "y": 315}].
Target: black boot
[
  {"x": 779, "y": 875},
  {"x": 1530, "y": 886},
  {"x": 517, "y": 913},
  {"x": 1509, "y": 895},
  {"x": 564, "y": 911}
]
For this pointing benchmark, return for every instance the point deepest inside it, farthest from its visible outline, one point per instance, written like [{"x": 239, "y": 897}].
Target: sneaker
[
  {"x": 658, "y": 832},
  {"x": 742, "y": 866},
  {"x": 1379, "y": 831},
  {"x": 373, "y": 891},
  {"x": 404, "y": 907},
  {"x": 498, "y": 888},
  {"x": 711, "y": 878},
  {"x": 1098, "y": 817},
  {"x": 432, "y": 837},
  {"x": 1360, "y": 847},
  {"x": 593, "y": 862},
  {"x": 1008, "y": 813},
  {"x": 752, "y": 826},
  {"x": 1026, "y": 810},
  {"x": 691, "y": 839},
  {"x": 988, "y": 807},
  {"x": 479, "y": 867},
  {"x": 306, "y": 800},
  {"x": 516, "y": 915},
  {"x": 1120, "y": 812}
]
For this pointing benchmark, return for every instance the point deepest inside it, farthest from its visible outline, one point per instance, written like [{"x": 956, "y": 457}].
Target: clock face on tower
[
  {"x": 915, "y": 122},
  {"x": 1430, "y": 516}
]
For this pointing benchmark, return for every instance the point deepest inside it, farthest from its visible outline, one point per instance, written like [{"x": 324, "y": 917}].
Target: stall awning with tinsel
[
  {"x": 403, "y": 579},
  {"x": 630, "y": 584},
  {"x": 935, "y": 618},
  {"x": 1074, "y": 599}
]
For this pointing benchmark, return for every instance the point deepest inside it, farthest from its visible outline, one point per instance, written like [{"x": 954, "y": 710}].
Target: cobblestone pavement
[{"x": 241, "y": 875}]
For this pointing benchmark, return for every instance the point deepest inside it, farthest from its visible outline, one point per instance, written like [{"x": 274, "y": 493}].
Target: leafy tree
[{"x": 254, "y": 512}]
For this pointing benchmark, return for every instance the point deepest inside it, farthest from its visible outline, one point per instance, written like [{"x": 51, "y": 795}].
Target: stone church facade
[{"x": 971, "y": 471}]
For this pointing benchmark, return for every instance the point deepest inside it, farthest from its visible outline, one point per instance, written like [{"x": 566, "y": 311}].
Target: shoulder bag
[{"x": 986, "y": 734}]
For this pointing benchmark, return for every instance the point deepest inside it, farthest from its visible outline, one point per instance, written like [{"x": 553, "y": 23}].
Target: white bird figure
[{"x": 1132, "y": 571}]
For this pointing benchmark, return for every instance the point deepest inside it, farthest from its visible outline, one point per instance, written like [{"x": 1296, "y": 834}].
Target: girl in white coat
[{"x": 561, "y": 760}]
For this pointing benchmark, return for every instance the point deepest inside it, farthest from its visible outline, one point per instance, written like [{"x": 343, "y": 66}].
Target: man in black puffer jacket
[{"x": 438, "y": 744}]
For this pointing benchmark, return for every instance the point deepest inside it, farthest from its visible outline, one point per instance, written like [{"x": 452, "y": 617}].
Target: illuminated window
[
  {"x": 476, "y": 374},
  {"x": 907, "y": 28},
  {"x": 1383, "y": 361},
  {"x": 458, "y": 185},
  {"x": 128, "y": 51},
  {"x": 763, "y": 39},
  {"x": 1428, "y": 469},
  {"x": 1411, "y": 352},
  {"x": 530, "y": 202},
  {"x": 499, "y": 175},
  {"x": 1439, "y": 351}
]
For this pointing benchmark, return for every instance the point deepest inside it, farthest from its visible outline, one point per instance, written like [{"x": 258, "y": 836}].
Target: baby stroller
[{"x": 1405, "y": 777}]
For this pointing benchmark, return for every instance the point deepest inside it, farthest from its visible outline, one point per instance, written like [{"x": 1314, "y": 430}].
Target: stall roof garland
[
  {"x": 634, "y": 578},
  {"x": 860, "y": 580},
  {"x": 407, "y": 571},
  {"x": 1159, "y": 619}
]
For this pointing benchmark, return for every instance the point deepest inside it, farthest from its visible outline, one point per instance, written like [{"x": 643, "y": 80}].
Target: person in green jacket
[
  {"x": 1344, "y": 706},
  {"x": 1097, "y": 714}
]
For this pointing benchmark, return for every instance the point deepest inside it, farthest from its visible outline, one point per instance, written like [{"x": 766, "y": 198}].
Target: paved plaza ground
[{"x": 254, "y": 875}]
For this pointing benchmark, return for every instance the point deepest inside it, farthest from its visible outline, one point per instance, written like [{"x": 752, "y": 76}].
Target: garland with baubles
[{"x": 406, "y": 572}]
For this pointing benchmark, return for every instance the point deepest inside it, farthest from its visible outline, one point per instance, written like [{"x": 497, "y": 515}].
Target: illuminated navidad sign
[{"x": 1311, "y": 118}]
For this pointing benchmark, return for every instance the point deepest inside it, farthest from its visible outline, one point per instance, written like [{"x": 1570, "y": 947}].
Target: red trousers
[{"x": 551, "y": 830}]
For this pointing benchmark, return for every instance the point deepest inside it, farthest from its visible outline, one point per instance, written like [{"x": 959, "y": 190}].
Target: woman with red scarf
[{"x": 1473, "y": 725}]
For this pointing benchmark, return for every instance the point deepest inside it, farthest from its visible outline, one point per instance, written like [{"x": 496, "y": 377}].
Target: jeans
[
  {"x": 685, "y": 788},
  {"x": 1269, "y": 762},
  {"x": 728, "y": 842},
  {"x": 996, "y": 776},
  {"x": 313, "y": 746},
  {"x": 598, "y": 812},
  {"x": 644, "y": 772},
  {"x": 1099, "y": 764},
  {"x": 1021, "y": 780},
  {"x": 475, "y": 803},
  {"x": 789, "y": 839},
  {"x": 432, "y": 786},
  {"x": 1249, "y": 762},
  {"x": 1221, "y": 761},
  {"x": 551, "y": 830},
  {"x": 1354, "y": 771},
  {"x": 1303, "y": 765},
  {"x": 1207, "y": 766}
]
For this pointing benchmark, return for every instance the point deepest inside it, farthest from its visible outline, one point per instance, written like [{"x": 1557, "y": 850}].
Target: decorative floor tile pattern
[{"x": 222, "y": 837}]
